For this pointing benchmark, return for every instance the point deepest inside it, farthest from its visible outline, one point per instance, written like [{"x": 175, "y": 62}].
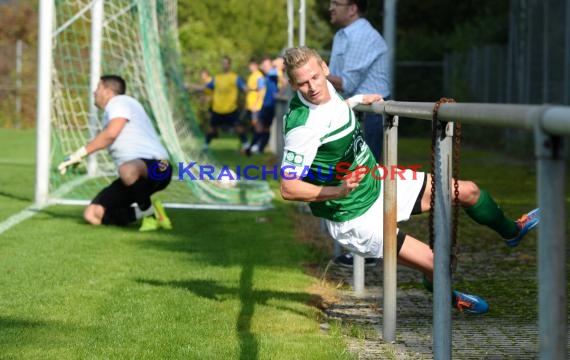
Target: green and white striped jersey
[{"x": 324, "y": 142}]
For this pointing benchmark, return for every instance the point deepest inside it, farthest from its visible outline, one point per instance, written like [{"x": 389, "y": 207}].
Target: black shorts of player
[
  {"x": 417, "y": 209},
  {"x": 266, "y": 115},
  {"x": 218, "y": 120},
  {"x": 116, "y": 195}
]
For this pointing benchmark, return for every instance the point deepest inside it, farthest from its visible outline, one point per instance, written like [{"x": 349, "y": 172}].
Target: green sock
[
  {"x": 487, "y": 212},
  {"x": 428, "y": 284}
]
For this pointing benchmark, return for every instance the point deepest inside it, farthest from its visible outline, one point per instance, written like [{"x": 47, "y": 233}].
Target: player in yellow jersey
[
  {"x": 225, "y": 88},
  {"x": 256, "y": 89}
]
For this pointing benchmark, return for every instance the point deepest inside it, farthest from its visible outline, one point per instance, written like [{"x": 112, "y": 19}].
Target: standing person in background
[
  {"x": 141, "y": 160},
  {"x": 225, "y": 86},
  {"x": 256, "y": 90},
  {"x": 359, "y": 63},
  {"x": 279, "y": 66},
  {"x": 263, "y": 127}
]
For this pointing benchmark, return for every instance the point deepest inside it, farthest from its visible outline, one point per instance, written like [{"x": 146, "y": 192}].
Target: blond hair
[{"x": 295, "y": 57}]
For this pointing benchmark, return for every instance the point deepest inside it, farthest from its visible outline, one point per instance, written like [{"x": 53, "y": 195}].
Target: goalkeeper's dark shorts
[{"x": 118, "y": 195}]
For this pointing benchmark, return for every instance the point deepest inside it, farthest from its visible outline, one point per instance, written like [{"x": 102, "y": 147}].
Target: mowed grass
[
  {"x": 221, "y": 285},
  {"x": 17, "y": 166}
]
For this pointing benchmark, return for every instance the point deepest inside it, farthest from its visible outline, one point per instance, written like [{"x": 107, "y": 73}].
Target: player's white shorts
[{"x": 364, "y": 234}]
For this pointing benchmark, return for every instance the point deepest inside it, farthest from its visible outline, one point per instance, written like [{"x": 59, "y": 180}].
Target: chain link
[
  {"x": 455, "y": 175},
  {"x": 437, "y": 125}
]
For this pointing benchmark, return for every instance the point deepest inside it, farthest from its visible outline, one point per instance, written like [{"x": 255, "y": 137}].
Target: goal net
[{"x": 138, "y": 40}]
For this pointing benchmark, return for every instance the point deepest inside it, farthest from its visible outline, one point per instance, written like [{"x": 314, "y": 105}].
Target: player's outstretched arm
[
  {"x": 365, "y": 99},
  {"x": 299, "y": 190}
]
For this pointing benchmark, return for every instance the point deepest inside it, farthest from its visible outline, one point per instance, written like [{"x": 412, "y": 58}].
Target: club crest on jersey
[{"x": 294, "y": 158}]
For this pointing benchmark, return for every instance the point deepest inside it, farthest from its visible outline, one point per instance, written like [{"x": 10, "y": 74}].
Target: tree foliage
[
  {"x": 19, "y": 23},
  {"x": 210, "y": 29}
]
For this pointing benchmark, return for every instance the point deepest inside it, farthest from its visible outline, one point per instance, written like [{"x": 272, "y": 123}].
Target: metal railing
[{"x": 549, "y": 124}]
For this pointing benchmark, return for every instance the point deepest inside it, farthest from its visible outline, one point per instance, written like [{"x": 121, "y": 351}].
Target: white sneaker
[{"x": 254, "y": 149}]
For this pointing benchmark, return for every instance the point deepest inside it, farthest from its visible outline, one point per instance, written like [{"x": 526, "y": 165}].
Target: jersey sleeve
[
  {"x": 260, "y": 83},
  {"x": 241, "y": 84},
  {"x": 118, "y": 109},
  {"x": 301, "y": 145}
]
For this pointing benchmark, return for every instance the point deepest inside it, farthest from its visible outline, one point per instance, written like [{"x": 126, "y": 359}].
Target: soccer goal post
[{"x": 137, "y": 39}]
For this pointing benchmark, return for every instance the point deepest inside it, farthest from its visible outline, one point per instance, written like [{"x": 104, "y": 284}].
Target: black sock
[
  {"x": 256, "y": 138},
  {"x": 208, "y": 138},
  {"x": 263, "y": 142},
  {"x": 243, "y": 138}
]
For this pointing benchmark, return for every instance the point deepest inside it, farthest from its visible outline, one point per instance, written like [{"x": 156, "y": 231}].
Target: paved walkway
[{"x": 473, "y": 337}]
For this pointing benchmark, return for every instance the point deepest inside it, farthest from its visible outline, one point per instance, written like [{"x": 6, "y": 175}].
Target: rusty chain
[{"x": 436, "y": 125}]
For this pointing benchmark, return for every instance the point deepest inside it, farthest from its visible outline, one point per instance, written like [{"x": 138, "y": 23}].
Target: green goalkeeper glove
[{"x": 72, "y": 159}]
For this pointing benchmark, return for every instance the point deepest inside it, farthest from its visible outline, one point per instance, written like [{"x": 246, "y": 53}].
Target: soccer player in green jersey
[{"x": 322, "y": 133}]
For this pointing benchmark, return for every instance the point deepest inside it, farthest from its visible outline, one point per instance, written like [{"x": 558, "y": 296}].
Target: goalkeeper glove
[{"x": 72, "y": 159}]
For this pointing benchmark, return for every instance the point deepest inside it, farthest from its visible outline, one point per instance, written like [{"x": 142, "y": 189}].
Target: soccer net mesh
[{"x": 138, "y": 41}]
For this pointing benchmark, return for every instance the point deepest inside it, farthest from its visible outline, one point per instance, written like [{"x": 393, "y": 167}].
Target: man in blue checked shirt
[{"x": 359, "y": 63}]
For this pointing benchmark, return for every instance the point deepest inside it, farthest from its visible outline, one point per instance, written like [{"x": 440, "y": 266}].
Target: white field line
[
  {"x": 34, "y": 208},
  {"x": 19, "y": 217}
]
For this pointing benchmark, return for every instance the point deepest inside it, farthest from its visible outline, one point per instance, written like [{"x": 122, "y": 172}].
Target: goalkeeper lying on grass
[{"x": 141, "y": 160}]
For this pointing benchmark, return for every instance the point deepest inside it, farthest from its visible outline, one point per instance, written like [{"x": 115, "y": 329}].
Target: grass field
[{"x": 221, "y": 285}]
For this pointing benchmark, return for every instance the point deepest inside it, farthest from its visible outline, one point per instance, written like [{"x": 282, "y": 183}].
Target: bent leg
[
  {"x": 469, "y": 193},
  {"x": 110, "y": 207},
  {"x": 479, "y": 206},
  {"x": 416, "y": 255},
  {"x": 134, "y": 175},
  {"x": 93, "y": 214}
]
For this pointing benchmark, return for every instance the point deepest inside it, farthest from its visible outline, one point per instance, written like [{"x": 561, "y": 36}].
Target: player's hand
[
  {"x": 350, "y": 184},
  {"x": 371, "y": 98},
  {"x": 72, "y": 159},
  {"x": 363, "y": 99}
]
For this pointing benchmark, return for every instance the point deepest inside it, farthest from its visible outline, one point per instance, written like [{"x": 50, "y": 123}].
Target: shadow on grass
[
  {"x": 16, "y": 197},
  {"x": 16, "y": 334},
  {"x": 76, "y": 215},
  {"x": 228, "y": 239},
  {"x": 249, "y": 298},
  {"x": 7, "y": 323}
]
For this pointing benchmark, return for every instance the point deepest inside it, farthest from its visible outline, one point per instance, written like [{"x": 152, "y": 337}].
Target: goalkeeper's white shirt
[{"x": 138, "y": 139}]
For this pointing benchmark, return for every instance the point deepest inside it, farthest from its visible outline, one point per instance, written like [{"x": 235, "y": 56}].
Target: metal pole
[
  {"x": 442, "y": 243},
  {"x": 18, "y": 83},
  {"x": 95, "y": 73},
  {"x": 389, "y": 33},
  {"x": 290, "y": 23},
  {"x": 302, "y": 19},
  {"x": 43, "y": 115},
  {"x": 552, "y": 282},
  {"x": 390, "y": 229},
  {"x": 358, "y": 274}
]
